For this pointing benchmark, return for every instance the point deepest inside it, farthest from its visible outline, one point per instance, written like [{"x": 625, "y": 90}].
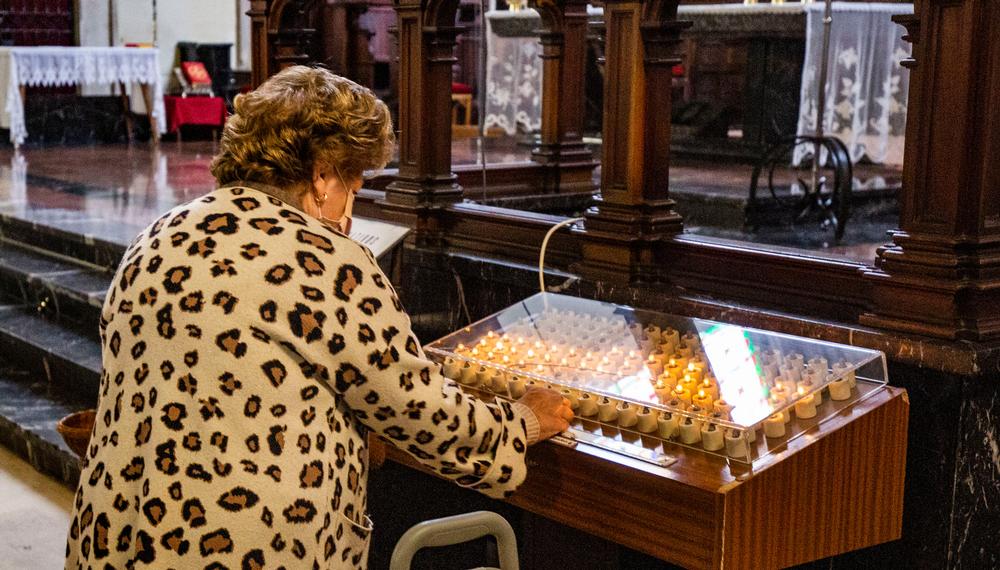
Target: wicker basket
[{"x": 75, "y": 430}]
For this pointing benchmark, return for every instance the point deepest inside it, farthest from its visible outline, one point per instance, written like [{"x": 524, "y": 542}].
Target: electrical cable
[{"x": 545, "y": 244}]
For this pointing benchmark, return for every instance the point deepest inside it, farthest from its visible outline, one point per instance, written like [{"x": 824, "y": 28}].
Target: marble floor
[
  {"x": 34, "y": 516},
  {"x": 112, "y": 191}
]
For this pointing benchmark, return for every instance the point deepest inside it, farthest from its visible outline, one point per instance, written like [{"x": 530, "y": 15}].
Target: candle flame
[
  {"x": 701, "y": 393},
  {"x": 673, "y": 362}
]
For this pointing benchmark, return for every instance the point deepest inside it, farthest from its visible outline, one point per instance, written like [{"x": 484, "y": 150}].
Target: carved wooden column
[
  {"x": 425, "y": 183},
  {"x": 940, "y": 276},
  {"x": 259, "y": 71},
  {"x": 345, "y": 43},
  {"x": 635, "y": 212},
  {"x": 568, "y": 164}
]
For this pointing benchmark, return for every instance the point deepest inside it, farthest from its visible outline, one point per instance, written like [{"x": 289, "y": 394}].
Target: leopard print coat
[{"x": 248, "y": 348}]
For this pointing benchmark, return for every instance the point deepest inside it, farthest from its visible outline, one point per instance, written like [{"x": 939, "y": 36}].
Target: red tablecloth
[{"x": 181, "y": 111}]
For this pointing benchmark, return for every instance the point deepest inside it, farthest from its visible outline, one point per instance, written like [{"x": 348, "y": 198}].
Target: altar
[
  {"x": 48, "y": 66},
  {"x": 747, "y": 77}
]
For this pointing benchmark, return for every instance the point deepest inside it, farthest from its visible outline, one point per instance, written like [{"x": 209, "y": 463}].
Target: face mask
[{"x": 344, "y": 221}]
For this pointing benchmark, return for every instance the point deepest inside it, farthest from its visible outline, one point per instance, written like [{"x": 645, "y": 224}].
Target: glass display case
[{"x": 643, "y": 383}]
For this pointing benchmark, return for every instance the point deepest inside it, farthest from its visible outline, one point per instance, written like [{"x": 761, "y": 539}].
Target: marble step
[
  {"x": 57, "y": 355},
  {"x": 29, "y": 412},
  {"x": 65, "y": 292},
  {"x": 71, "y": 233}
]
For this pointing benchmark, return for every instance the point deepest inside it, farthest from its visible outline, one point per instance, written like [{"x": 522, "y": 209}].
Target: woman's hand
[{"x": 552, "y": 410}]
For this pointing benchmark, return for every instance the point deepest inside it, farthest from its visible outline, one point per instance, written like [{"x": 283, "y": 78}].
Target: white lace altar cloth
[
  {"x": 57, "y": 66},
  {"x": 513, "y": 76},
  {"x": 866, "y": 88}
]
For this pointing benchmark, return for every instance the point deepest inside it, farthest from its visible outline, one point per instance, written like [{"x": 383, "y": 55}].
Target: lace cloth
[
  {"x": 56, "y": 66},
  {"x": 866, "y": 89},
  {"x": 513, "y": 72}
]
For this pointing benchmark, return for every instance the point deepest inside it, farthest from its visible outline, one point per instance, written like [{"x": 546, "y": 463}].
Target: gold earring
[{"x": 322, "y": 199}]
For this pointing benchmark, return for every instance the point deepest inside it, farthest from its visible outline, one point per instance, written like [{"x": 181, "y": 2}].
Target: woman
[{"x": 249, "y": 346}]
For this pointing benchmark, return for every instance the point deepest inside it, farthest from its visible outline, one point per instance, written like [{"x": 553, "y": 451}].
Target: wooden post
[
  {"x": 259, "y": 61},
  {"x": 568, "y": 164},
  {"x": 425, "y": 183},
  {"x": 635, "y": 212},
  {"x": 940, "y": 276}
]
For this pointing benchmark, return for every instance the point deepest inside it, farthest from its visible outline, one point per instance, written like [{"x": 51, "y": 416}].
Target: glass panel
[{"x": 665, "y": 379}]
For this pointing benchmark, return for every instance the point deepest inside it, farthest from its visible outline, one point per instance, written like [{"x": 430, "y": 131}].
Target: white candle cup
[
  {"x": 653, "y": 332},
  {"x": 607, "y": 410},
  {"x": 685, "y": 350},
  {"x": 669, "y": 339},
  {"x": 736, "y": 445},
  {"x": 780, "y": 392},
  {"x": 498, "y": 381},
  {"x": 712, "y": 437},
  {"x": 467, "y": 375},
  {"x": 796, "y": 360},
  {"x": 844, "y": 369},
  {"x": 840, "y": 389},
  {"x": 516, "y": 387},
  {"x": 690, "y": 431},
  {"x": 675, "y": 404},
  {"x": 681, "y": 393},
  {"x": 691, "y": 339},
  {"x": 655, "y": 368},
  {"x": 574, "y": 399},
  {"x": 789, "y": 373},
  {"x": 698, "y": 410},
  {"x": 774, "y": 426},
  {"x": 587, "y": 405},
  {"x": 484, "y": 377},
  {"x": 663, "y": 392},
  {"x": 724, "y": 408},
  {"x": 646, "y": 421},
  {"x": 627, "y": 414},
  {"x": 818, "y": 364},
  {"x": 666, "y": 425},
  {"x": 805, "y": 408},
  {"x": 770, "y": 372},
  {"x": 659, "y": 355},
  {"x": 807, "y": 386},
  {"x": 772, "y": 356},
  {"x": 451, "y": 368}
]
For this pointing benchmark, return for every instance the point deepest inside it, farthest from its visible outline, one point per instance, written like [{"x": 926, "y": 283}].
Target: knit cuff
[{"x": 530, "y": 421}]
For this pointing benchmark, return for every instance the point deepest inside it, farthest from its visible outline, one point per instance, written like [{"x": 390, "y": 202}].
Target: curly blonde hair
[{"x": 300, "y": 118}]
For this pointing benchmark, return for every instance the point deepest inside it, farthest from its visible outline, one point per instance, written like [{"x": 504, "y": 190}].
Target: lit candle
[
  {"x": 807, "y": 386},
  {"x": 690, "y": 383},
  {"x": 736, "y": 445},
  {"x": 654, "y": 366},
  {"x": 780, "y": 391},
  {"x": 774, "y": 426},
  {"x": 666, "y": 425},
  {"x": 711, "y": 437},
  {"x": 694, "y": 371},
  {"x": 683, "y": 394},
  {"x": 724, "y": 408},
  {"x": 840, "y": 389},
  {"x": 588, "y": 405},
  {"x": 777, "y": 404},
  {"x": 662, "y": 390},
  {"x": 646, "y": 421},
  {"x": 710, "y": 388},
  {"x": 607, "y": 410},
  {"x": 690, "y": 431},
  {"x": 674, "y": 370},
  {"x": 805, "y": 408},
  {"x": 702, "y": 399},
  {"x": 627, "y": 415}
]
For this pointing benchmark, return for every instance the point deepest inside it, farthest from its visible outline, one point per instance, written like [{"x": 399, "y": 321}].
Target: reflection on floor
[
  {"x": 112, "y": 192},
  {"x": 34, "y": 516}
]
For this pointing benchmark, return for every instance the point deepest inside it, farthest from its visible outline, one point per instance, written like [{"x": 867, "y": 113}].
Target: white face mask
[{"x": 344, "y": 221}]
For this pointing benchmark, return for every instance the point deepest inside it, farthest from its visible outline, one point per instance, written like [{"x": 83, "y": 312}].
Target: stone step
[
  {"x": 64, "y": 291},
  {"x": 70, "y": 233},
  {"x": 59, "y": 356},
  {"x": 29, "y": 412}
]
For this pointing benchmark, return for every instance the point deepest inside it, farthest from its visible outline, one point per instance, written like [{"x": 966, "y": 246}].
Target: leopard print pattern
[{"x": 248, "y": 348}]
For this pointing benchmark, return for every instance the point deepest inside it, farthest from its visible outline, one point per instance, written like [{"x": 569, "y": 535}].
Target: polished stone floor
[
  {"x": 34, "y": 516},
  {"x": 111, "y": 192}
]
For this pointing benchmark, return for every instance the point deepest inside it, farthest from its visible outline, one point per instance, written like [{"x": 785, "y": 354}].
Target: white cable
[{"x": 545, "y": 244}]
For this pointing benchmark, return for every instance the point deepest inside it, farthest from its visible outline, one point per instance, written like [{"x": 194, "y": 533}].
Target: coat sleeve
[{"x": 382, "y": 375}]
